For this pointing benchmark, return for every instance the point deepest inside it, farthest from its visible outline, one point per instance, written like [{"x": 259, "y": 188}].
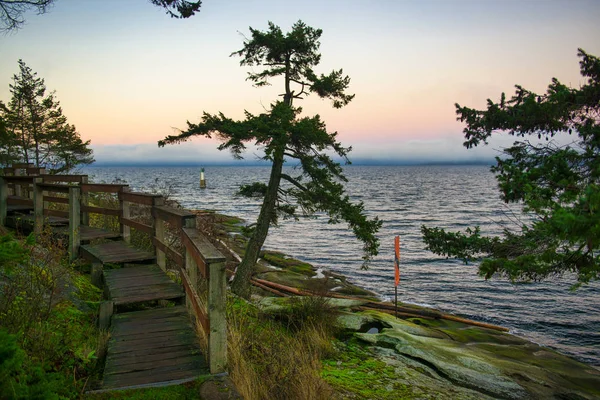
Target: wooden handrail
[
  {"x": 200, "y": 257},
  {"x": 101, "y": 187},
  {"x": 174, "y": 216}
]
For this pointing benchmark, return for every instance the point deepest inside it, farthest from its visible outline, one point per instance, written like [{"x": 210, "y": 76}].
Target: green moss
[
  {"x": 355, "y": 372},
  {"x": 280, "y": 260}
]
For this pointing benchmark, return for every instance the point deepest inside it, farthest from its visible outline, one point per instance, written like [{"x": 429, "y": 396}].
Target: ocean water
[{"x": 405, "y": 197}]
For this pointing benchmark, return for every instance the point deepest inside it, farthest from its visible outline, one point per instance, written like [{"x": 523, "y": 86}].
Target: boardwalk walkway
[{"x": 153, "y": 341}]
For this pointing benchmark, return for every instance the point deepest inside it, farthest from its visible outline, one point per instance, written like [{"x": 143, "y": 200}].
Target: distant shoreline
[{"x": 266, "y": 164}]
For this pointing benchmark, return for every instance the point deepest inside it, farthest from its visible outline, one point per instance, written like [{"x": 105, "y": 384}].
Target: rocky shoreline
[{"x": 418, "y": 354}]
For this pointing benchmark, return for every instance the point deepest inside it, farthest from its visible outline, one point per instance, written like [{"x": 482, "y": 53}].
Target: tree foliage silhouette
[
  {"x": 558, "y": 186},
  {"x": 316, "y": 184},
  {"x": 34, "y": 129}
]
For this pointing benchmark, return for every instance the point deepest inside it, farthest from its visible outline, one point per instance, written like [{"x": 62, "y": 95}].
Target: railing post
[
  {"x": 217, "y": 298},
  {"x": 125, "y": 213},
  {"x": 38, "y": 206},
  {"x": 85, "y": 201},
  {"x": 74, "y": 221},
  {"x": 190, "y": 265},
  {"x": 18, "y": 189},
  {"x": 3, "y": 201},
  {"x": 159, "y": 234}
]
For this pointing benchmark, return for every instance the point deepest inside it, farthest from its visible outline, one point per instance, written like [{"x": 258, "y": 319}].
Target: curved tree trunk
[{"x": 241, "y": 282}]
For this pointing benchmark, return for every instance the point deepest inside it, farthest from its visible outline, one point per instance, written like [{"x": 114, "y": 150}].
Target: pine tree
[
  {"x": 36, "y": 130},
  {"x": 558, "y": 185},
  {"x": 286, "y": 136}
]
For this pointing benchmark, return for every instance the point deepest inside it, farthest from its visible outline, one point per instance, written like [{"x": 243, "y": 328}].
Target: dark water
[{"x": 405, "y": 198}]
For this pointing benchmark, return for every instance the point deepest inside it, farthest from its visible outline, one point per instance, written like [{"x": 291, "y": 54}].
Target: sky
[{"x": 127, "y": 74}]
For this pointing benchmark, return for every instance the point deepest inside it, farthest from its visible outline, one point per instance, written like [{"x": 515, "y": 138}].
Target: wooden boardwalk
[
  {"x": 147, "y": 346},
  {"x": 152, "y": 347}
]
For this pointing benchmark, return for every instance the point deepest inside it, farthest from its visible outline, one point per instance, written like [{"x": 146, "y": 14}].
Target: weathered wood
[
  {"x": 101, "y": 210},
  {"x": 114, "y": 252},
  {"x": 174, "y": 216},
  {"x": 125, "y": 215},
  {"x": 166, "y": 349},
  {"x": 195, "y": 303},
  {"x": 139, "y": 284},
  {"x": 50, "y": 178},
  {"x": 3, "y": 201},
  {"x": 159, "y": 234},
  {"x": 54, "y": 187},
  {"x": 56, "y": 213},
  {"x": 38, "y": 206},
  {"x": 210, "y": 254},
  {"x": 102, "y": 187},
  {"x": 87, "y": 233},
  {"x": 18, "y": 179},
  {"x": 136, "y": 225},
  {"x": 217, "y": 300},
  {"x": 85, "y": 201},
  {"x": 164, "y": 249},
  {"x": 22, "y": 165},
  {"x": 106, "y": 312},
  {"x": 18, "y": 193},
  {"x": 96, "y": 274},
  {"x": 56, "y": 199},
  {"x": 146, "y": 199},
  {"x": 74, "y": 222}
]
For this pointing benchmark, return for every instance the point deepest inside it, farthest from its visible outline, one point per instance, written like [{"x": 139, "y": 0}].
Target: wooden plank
[
  {"x": 18, "y": 179},
  {"x": 102, "y": 187},
  {"x": 14, "y": 200},
  {"x": 138, "y": 197},
  {"x": 207, "y": 250},
  {"x": 49, "y": 178},
  {"x": 54, "y": 187},
  {"x": 137, "y": 225},
  {"x": 22, "y": 165},
  {"x": 196, "y": 303},
  {"x": 175, "y": 256},
  {"x": 173, "y": 216},
  {"x": 74, "y": 215},
  {"x": 217, "y": 302},
  {"x": 191, "y": 250},
  {"x": 57, "y": 213},
  {"x": 101, "y": 210},
  {"x": 162, "y": 374},
  {"x": 145, "y": 358},
  {"x": 115, "y": 252},
  {"x": 56, "y": 199}
]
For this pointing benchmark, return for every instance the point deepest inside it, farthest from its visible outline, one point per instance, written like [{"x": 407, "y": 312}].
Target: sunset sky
[{"x": 126, "y": 73}]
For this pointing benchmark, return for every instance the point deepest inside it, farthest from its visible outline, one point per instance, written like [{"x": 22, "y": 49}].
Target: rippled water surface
[{"x": 406, "y": 198}]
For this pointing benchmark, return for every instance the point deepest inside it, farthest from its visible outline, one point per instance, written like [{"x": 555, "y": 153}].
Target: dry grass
[{"x": 271, "y": 358}]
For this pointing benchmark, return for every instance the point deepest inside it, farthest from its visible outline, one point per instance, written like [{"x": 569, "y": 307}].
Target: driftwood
[{"x": 282, "y": 290}]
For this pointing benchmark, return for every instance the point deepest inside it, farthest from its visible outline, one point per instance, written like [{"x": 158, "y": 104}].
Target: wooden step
[
  {"x": 115, "y": 252},
  {"x": 87, "y": 233},
  {"x": 139, "y": 284},
  {"x": 152, "y": 348}
]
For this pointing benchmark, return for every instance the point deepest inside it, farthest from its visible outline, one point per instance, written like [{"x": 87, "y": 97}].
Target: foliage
[
  {"x": 45, "y": 309},
  {"x": 11, "y": 12},
  {"x": 36, "y": 130},
  {"x": 285, "y": 135},
  {"x": 179, "y": 8},
  {"x": 558, "y": 186}
]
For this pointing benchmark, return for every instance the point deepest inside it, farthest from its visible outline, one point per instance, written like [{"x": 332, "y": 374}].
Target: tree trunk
[{"x": 241, "y": 282}]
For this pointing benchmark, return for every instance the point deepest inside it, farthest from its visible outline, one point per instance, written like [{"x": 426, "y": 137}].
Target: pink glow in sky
[{"x": 126, "y": 73}]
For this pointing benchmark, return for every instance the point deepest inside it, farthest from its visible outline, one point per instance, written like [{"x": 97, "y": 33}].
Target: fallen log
[{"x": 402, "y": 310}]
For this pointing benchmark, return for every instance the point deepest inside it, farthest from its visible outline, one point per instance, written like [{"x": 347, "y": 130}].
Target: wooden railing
[{"x": 200, "y": 260}]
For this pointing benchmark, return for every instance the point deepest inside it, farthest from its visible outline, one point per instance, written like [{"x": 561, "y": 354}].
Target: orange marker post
[{"x": 397, "y": 270}]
